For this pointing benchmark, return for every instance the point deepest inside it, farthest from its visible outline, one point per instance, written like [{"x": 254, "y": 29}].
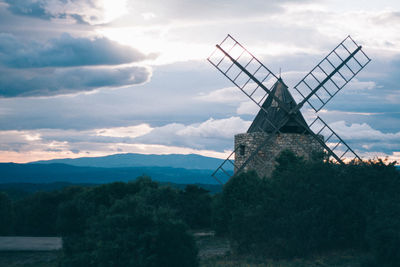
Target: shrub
[
  {"x": 131, "y": 234},
  {"x": 308, "y": 207},
  {"x": 126, "y": 229},
  {"x": 6, "y": 215}
]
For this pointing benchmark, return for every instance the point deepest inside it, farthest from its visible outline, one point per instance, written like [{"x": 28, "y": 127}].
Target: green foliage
[
  {"x": 36, "y": 215},
  {"x": 195, "y": 207},
  {"x": 383, "y": 229},
  {"x": 63, "y": 211},
  {"x": 304, "y": 208},
  {"x": 131, "y": 233},
  {"x": 241, "y": 195},
  {"x": 6, "y": 215},
  {"x": 309, "y": 207},
  {"x": 134, "y": 224},
  {"x": 139, "y": 223}
]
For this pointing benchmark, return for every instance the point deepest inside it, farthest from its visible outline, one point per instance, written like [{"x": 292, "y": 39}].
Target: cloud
[
  {"x": 357, "y": 85},
  {"x": 225, "y": 95},
  {"x": 247, "y": 108},
  {"x": 364, "y": 138},
  {"x": 82, "y": 11},
  {"x": 29, "y": 8},
  {"x": 41, "y": 144},
  {"x": 158, "y": 10},
  {"x": 387, "y": 17},
  {"x": 363, "y": 132},
  {"x": 223, "y": 128},
  {"x": 211, "y": 137},
  {"x": 128, "y": 131},
  {"x": 211, "y": 134},
  {"x": 151, "y": 11},
  {"x": 50, "y": 82},
  {"x": 62, "y": 66},
  {"x": 65, "y": 51}
]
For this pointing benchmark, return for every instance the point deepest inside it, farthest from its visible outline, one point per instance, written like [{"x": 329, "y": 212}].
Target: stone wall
[{"x": 245, "y": 144}]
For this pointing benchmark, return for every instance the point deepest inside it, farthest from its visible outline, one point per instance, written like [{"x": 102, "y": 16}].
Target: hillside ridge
[{"x": 186, "y": 161}]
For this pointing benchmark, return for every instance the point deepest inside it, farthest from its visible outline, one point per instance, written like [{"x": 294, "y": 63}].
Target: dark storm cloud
[
  {"x": 60, "y": 65},
  {"x": 49, "y": 82},
  {"x": 65, "y": 51}
]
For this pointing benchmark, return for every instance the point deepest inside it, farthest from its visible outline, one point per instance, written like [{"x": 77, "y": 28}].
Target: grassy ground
[
  {"x": 339, "y": 259},
  {"x": 344, "y": 259},
  {"x": 28, "y": 258},
  {"x": 213, "y": 252}
]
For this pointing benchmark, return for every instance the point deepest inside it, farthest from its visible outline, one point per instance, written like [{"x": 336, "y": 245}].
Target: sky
[{"x": 83, "y": 78}]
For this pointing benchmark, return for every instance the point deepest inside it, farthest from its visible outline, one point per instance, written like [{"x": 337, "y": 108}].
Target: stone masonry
[{"x": 303, "y": 145}]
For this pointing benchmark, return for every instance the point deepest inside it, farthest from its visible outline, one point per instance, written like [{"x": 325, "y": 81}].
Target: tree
[
  {"x": 195, "y": 207},
  {"x": 139, "y": 229},
  {"x": 6, "y": 215}
]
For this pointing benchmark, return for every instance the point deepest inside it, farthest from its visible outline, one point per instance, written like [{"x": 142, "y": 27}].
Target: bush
[
  {"x": 195, "y": 207},
  {"x": 131, "y": 234},
  {"x": 6, "y": 215},
  {"x": 135, "y": 227},
  {"x": 309, "y": 207},
  {"x": 383, "y": 231}
]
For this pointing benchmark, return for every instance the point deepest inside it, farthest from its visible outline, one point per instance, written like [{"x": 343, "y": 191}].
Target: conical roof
[{"x": 275, "y": 114}]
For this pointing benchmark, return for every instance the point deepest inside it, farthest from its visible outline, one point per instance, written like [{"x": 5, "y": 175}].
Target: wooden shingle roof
[{"x": 275, "y": 114}]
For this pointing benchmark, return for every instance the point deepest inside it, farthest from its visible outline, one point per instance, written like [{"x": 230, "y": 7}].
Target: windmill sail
[
  {"x": 331, "y": 74},
  {"x": 239, "y": 66},
  {"x": 336, "y": 144}
]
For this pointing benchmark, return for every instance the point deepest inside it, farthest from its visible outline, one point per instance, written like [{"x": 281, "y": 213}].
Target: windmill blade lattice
[
  {"x": 238, "y": 65},
  {"x": 333, "y": 141},
  {"x": 332, "y": 73}
]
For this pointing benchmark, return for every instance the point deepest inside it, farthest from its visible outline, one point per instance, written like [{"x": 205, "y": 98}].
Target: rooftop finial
[{"x": 280, "y": 72}]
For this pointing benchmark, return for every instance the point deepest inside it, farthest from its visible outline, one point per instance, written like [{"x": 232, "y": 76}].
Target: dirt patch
[
  {"x": 25, "y": 243},
  {"x": 210, "y": 245}
]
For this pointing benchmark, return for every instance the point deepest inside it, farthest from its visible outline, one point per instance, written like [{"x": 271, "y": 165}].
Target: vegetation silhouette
[{"x": 308, "y": 207}]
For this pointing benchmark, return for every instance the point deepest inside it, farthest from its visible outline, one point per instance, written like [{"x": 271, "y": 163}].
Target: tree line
[{"x": 304, "y": 208}]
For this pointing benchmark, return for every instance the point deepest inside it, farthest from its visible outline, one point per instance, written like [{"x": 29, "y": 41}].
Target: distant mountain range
[
  {"x": 173, "y": 168},
  {"x": 190, "y": 161},
  {"x": 177, "y": 169}
]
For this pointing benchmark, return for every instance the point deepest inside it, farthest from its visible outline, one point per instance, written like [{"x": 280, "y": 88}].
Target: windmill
[{"x": 279, "y": 113}]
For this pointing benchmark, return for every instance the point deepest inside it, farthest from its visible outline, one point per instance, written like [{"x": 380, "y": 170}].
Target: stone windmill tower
[
  {"x": 279, "y": 125},
  {"x": 293, "y": 136}
]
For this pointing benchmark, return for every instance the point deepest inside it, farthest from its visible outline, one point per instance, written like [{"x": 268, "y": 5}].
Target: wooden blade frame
[
  {"x": 241, "y": 67},
  {"x": 331, "y": 74}
]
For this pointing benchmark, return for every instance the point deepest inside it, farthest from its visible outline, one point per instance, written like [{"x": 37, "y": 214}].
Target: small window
[{"x": 241, "y": 150}]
